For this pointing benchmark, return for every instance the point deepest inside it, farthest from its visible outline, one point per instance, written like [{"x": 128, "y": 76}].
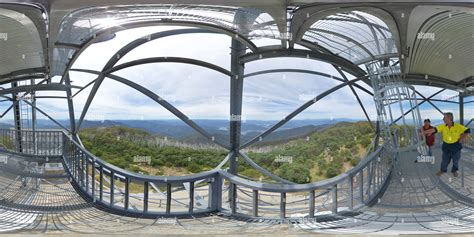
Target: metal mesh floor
[{"x": 414, "y": 202}]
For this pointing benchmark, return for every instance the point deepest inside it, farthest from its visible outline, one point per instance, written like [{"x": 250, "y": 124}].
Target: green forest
[{"x": 322, "y": 154}]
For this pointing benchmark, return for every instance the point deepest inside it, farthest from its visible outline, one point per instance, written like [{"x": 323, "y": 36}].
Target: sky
[{"x": 201, "y": 93}]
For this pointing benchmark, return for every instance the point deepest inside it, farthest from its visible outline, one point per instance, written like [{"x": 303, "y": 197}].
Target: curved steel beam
[
  {"x": 118, "y": 55},
  {"x": 343, "y": 37},
  {"x": 360, "y": 21},
  {"x": 106, "y": 71},
  {"x": 466, "y": 82},
  {"x": 297, "y": 111},
  {"x": 300, "y": 53},
  {"x": 430, "y": 80},
  {"x": 98, "y": 36},
  {"x": 306, "y": 16},
  {"x": 356, "y": 95},
  {"x": 145, "y": 39},
  {"x": 424, "y": 100},
  {"x": 104, "y": 32},
  {"x": 160, "y": 101},
  {"x": 23, "y": 72},
  {"x": 47, "y": 115},
  {"x": 372, "y": 29},
  {"x": 169, "y": 60},
  {"x": 306, "y": 72},
  {"x": 38, "y": 87},
  {"x": 294, "y": 70}
]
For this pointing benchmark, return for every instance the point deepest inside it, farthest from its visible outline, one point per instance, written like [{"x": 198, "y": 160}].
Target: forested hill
[{"x": 319, "y": 155}]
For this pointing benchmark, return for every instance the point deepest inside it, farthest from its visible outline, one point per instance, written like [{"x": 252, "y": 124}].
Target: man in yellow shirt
[{"x": 453, "y": 135}]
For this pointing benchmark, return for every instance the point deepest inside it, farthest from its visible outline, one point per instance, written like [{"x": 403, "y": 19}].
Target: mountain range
[{"x": 179, "y": 130}]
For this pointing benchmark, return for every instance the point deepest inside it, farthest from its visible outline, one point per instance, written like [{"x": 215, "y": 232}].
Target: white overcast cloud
[{"x": 203, "y": 93}]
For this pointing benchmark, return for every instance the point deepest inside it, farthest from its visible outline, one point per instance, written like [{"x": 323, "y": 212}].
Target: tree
[{"x": 297, "y": 173}]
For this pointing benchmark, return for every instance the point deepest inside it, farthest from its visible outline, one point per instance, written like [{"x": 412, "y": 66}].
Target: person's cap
[{"x": 427, "y": 120}]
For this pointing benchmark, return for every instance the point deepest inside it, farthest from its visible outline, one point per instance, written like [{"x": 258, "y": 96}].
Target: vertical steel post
[
  {"x": 191, "y": 197},
  {"x": 254, "y": 203}
]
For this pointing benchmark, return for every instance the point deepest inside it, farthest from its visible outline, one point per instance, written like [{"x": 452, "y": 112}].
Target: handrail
[
  {"x": 97, "y": 180},
  {"x": 283, "y": 187},
  {"x": 143, "y": 177}
]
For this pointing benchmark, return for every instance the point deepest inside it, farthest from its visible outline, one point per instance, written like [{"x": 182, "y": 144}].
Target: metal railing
[
  {"x": 360, "y": 186},
  {"x": 40, "y": 142},
  {"x": 112, "y": 186},
  {"x": 470, "y": 140},
  {"x": 129, "y": 193}
]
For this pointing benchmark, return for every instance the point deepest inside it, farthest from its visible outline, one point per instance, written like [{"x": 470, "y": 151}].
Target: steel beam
[
  {"x": 236, "y": 90},
  {"x": 305, "y": 72},
  {"x": 70, "y": 106},
  {"x": 16, "y": 115},
  {"x": 169, "y": 60},
  {"x": 300, "y": 53},
  {"x": 160, "y": 101},
  {"x": 411, "y": 109},
  {"x": 38, "y": 87},
  {"x": 297, "y": 111},
  {"x": 355, "y": 94}
]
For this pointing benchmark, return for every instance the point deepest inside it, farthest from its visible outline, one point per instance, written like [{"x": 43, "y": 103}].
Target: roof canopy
[{"x": 432, "y": 40}]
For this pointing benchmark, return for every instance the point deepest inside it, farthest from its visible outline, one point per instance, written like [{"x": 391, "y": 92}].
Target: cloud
[{"x": 203, "y": 93}]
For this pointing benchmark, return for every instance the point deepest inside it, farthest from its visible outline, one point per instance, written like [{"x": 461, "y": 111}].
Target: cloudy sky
[{"x": 202, "y": 93}]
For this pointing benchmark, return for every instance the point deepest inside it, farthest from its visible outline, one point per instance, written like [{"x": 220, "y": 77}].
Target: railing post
[
  {"x": 101, "y": 183},
  {"x": 311, "y": 203},
  {"x": 379, "y": 177},
  {"x": 216, "y": 193},
  {"x": 282, "y": 206},
  {"x": 233, "y": 195},
  {"x": 63, "y": 144},
  {"x": 145, "y": 196},
  {"x": 334, "y": 199},
  {"x": 369, "y": 180},
  {"x": 76, "y": 165},
  {"x": 376, "y": 178},
  {"x": 191, "y": 197},
  {"x": 168, "y": 198},
  {"x": 81, "y": 175},
  {"x": 87, "y": 172},
  {"x": 112, "y": 187},
  {"x": 93, "y": 178},
  {"x": 127, "y": 193},
  {"x": 254, "y": 203}
]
